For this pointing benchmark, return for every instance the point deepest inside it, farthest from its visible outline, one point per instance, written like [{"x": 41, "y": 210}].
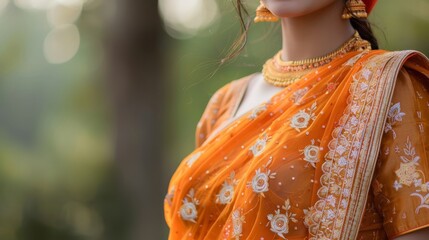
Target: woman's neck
[{"x": 315, "y": 34}]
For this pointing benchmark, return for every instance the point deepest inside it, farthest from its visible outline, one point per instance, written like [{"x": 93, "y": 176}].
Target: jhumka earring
[
  {"x": 264, "y": 15},
  {"x": 354, "y": 8}
]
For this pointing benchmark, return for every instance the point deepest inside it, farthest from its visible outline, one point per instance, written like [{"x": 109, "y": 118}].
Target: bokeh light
[
  {"x": 62, "y": 14},
  {"x": 63, "y": 41},
  {"x": 3, "y": 5},
  {"x": 62, "y": 44},
  {"x": 33, "y": 4},
  {"x": 184, "y": 18}
]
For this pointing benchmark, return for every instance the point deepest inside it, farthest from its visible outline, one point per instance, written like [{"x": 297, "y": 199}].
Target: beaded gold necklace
[{"x": 283, "y": 73}]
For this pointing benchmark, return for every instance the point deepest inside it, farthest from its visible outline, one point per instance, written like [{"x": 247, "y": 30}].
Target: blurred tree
[{"x": 136, "y": 85}]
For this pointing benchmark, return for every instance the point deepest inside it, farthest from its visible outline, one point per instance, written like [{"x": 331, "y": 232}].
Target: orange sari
[{"x": 321, "y": 155}]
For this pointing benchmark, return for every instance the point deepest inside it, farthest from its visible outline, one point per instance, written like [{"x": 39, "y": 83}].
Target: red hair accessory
[{"x": 369, "y": 4}]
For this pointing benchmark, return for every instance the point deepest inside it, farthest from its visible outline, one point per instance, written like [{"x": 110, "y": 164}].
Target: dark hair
[{"x": 363, "y": 26}]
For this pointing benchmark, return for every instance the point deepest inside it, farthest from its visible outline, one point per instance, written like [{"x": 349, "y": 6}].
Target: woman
[{"x": 330, "y": 147}]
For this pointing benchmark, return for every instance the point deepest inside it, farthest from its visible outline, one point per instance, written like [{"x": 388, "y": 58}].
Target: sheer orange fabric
[{"x": 273, "y": 172}]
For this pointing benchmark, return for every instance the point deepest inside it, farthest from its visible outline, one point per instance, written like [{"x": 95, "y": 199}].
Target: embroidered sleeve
[
  {"x": 213, "y": 113},
  {"x": 401, "y": 179},
  {"x": 219, "y": 108}
]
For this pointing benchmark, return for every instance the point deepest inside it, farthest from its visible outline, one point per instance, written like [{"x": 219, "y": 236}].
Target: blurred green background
[{"x": 59, "y": 175}]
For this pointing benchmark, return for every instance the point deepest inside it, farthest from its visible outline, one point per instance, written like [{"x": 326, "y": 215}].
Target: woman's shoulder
[
  {"x": 404, "y": 55},
  {"x": 220, "y": 106},
  {"x": 235, "y": 84},
  {"x": 227, "y": 93},
  {"x": 394, "y": 62},
  {"x": 411, "y": 62}
]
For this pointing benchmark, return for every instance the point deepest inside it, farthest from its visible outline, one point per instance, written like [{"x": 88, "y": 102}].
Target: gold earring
[
  {"x": 264, "y": 15},
  {"x": 355, "y": 8}
]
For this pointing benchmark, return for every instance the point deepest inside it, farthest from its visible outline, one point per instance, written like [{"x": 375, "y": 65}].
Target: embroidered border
[
  {"x": 368, "y": 159},
  {"x": 346, "y": 164}
]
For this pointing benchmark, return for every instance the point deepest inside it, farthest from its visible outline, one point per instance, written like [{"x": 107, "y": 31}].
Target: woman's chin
[
  {"x": 289, "y": 13},
  {"x": 296, "y": 8}
]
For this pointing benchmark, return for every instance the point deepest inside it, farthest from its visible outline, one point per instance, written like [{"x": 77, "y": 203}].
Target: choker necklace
[{"x": 283, "y": 73}]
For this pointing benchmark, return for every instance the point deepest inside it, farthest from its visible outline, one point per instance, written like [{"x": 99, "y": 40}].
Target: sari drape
[{"x": 301, "y": 166}]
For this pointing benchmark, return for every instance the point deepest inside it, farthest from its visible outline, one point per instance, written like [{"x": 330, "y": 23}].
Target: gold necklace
[{"x": 283, "y": 73}]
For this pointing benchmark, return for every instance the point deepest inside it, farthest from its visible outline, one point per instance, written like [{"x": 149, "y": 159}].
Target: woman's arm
[{"x": 401, "y": 179}]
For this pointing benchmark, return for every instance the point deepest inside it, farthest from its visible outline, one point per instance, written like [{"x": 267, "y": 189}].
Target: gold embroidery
[
  {"x": 410, "y": 176},
  {"x": 407, "y": 173}
]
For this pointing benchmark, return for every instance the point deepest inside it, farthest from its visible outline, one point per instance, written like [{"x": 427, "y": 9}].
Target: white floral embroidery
[
  {"x": 397, "y": 149},
  {"x": 346, "y": 192},
  {"x": 366, "y": 73},
  {"x": 193, "y": 158},
  {"x": 331, "y": 200},
  {"x": 424, "y": 201},
  {"x": 354, "y": 121},
  {"x": 260, "y": 182},
  {"x": 259, "y": 146},
  {"x": 417, "y": 182},
  {"x": 307, "y": 216},
  {"x": 311, "y": 153},
  {"x": 226, "y": 194},
  {"x": 169, "y": 196},
  {"x": 256, "y": 111},
  {"x": 419, "y": 114},
  {"x": 421, "y": 128},
  {"x": 237, "y": 223},
  {"x": 395, "y": 115},
  {"x": 298, "y": 94},
  {"x": 302, "y": 118},
  {"x": 354, "y": 108},
  {"x": 344, "y": 203},
  {"x": 279, "y": 222},
  {"x": 410, "y": 176},
  {"x": 340, "y": 149},
  {"x": 188, "y": 210},
  {"x": 354, "y": 59},
  {"x": 342, "y": 161}
]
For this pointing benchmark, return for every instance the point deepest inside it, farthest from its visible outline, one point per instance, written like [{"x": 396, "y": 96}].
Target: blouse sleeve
[
  {"x": 219, "y": 108},
  {"x": 401, "y": 179},
  {"x": 212, "y": 114}
]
